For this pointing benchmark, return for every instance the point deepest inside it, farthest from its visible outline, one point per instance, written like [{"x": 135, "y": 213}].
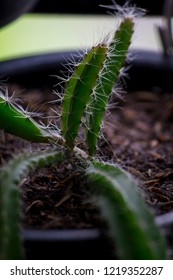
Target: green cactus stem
[
  {"x": 10, "y": 176},
  {"x": 132, "y": 226},
  {"x": 117, "y": 52},
  {"x": 15, "y": 122},
  {"x": 77, "y": 92}
]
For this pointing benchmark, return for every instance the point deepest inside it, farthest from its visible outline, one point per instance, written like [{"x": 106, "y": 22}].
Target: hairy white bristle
[{"x": 127, "y": 10}]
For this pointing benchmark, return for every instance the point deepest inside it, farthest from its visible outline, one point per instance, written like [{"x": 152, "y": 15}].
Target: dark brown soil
[
  {"x": 138, "y": 135},
  {"x": 141, "y": 136}
]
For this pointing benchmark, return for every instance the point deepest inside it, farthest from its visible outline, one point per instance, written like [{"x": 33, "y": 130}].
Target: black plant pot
[
  {"x": 10, "y": 9},
  {"x": 38, "y": 71},
  {"x": 148, "y": 70}
]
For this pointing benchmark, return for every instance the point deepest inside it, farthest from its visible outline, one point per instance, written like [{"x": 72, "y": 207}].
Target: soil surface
[{"x": 138, "y": 135}]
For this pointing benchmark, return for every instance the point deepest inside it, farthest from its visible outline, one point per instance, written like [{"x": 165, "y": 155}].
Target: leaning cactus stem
[
  {"x": 10, "y": 176},
  {"x": 77, "y": 92},
  {"x": 108, "y": 76},
  {"x": 16, "y": 122},
  {"x": 132, "y": 226}
]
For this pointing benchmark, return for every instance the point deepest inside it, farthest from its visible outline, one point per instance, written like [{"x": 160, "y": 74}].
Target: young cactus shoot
[
  {"x": 15, "y": 121},
  {"x": 117, "y": 51},
  {"x": 77, "y": 91}
]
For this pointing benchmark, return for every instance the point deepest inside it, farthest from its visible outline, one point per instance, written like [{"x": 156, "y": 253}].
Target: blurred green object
[
  {"x": 40, "y": 33},
  {"x": 36, "y": 34}
]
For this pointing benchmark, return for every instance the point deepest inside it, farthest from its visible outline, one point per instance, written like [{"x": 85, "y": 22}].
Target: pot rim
[
  {"x": 80, "y": 242},
  {"x": 141, "y": 66},
  {"x": 163, "y": 220}
]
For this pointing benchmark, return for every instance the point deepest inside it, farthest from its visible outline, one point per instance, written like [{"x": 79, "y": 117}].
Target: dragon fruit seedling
[{"x": 86, "y": 95}]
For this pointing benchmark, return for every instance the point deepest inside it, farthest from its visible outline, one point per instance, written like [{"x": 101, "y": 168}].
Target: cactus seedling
[{"x": 86, "y": 94}]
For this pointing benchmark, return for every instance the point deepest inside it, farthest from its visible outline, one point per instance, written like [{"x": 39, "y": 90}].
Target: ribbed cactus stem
[
  {"x": 132, "y": 226},
  {"x": 116, "y": 56},
  {"x": 10, "y": 176},
  {"x": 14, "y": 121},
  {"x": 77, "y": 92}
]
